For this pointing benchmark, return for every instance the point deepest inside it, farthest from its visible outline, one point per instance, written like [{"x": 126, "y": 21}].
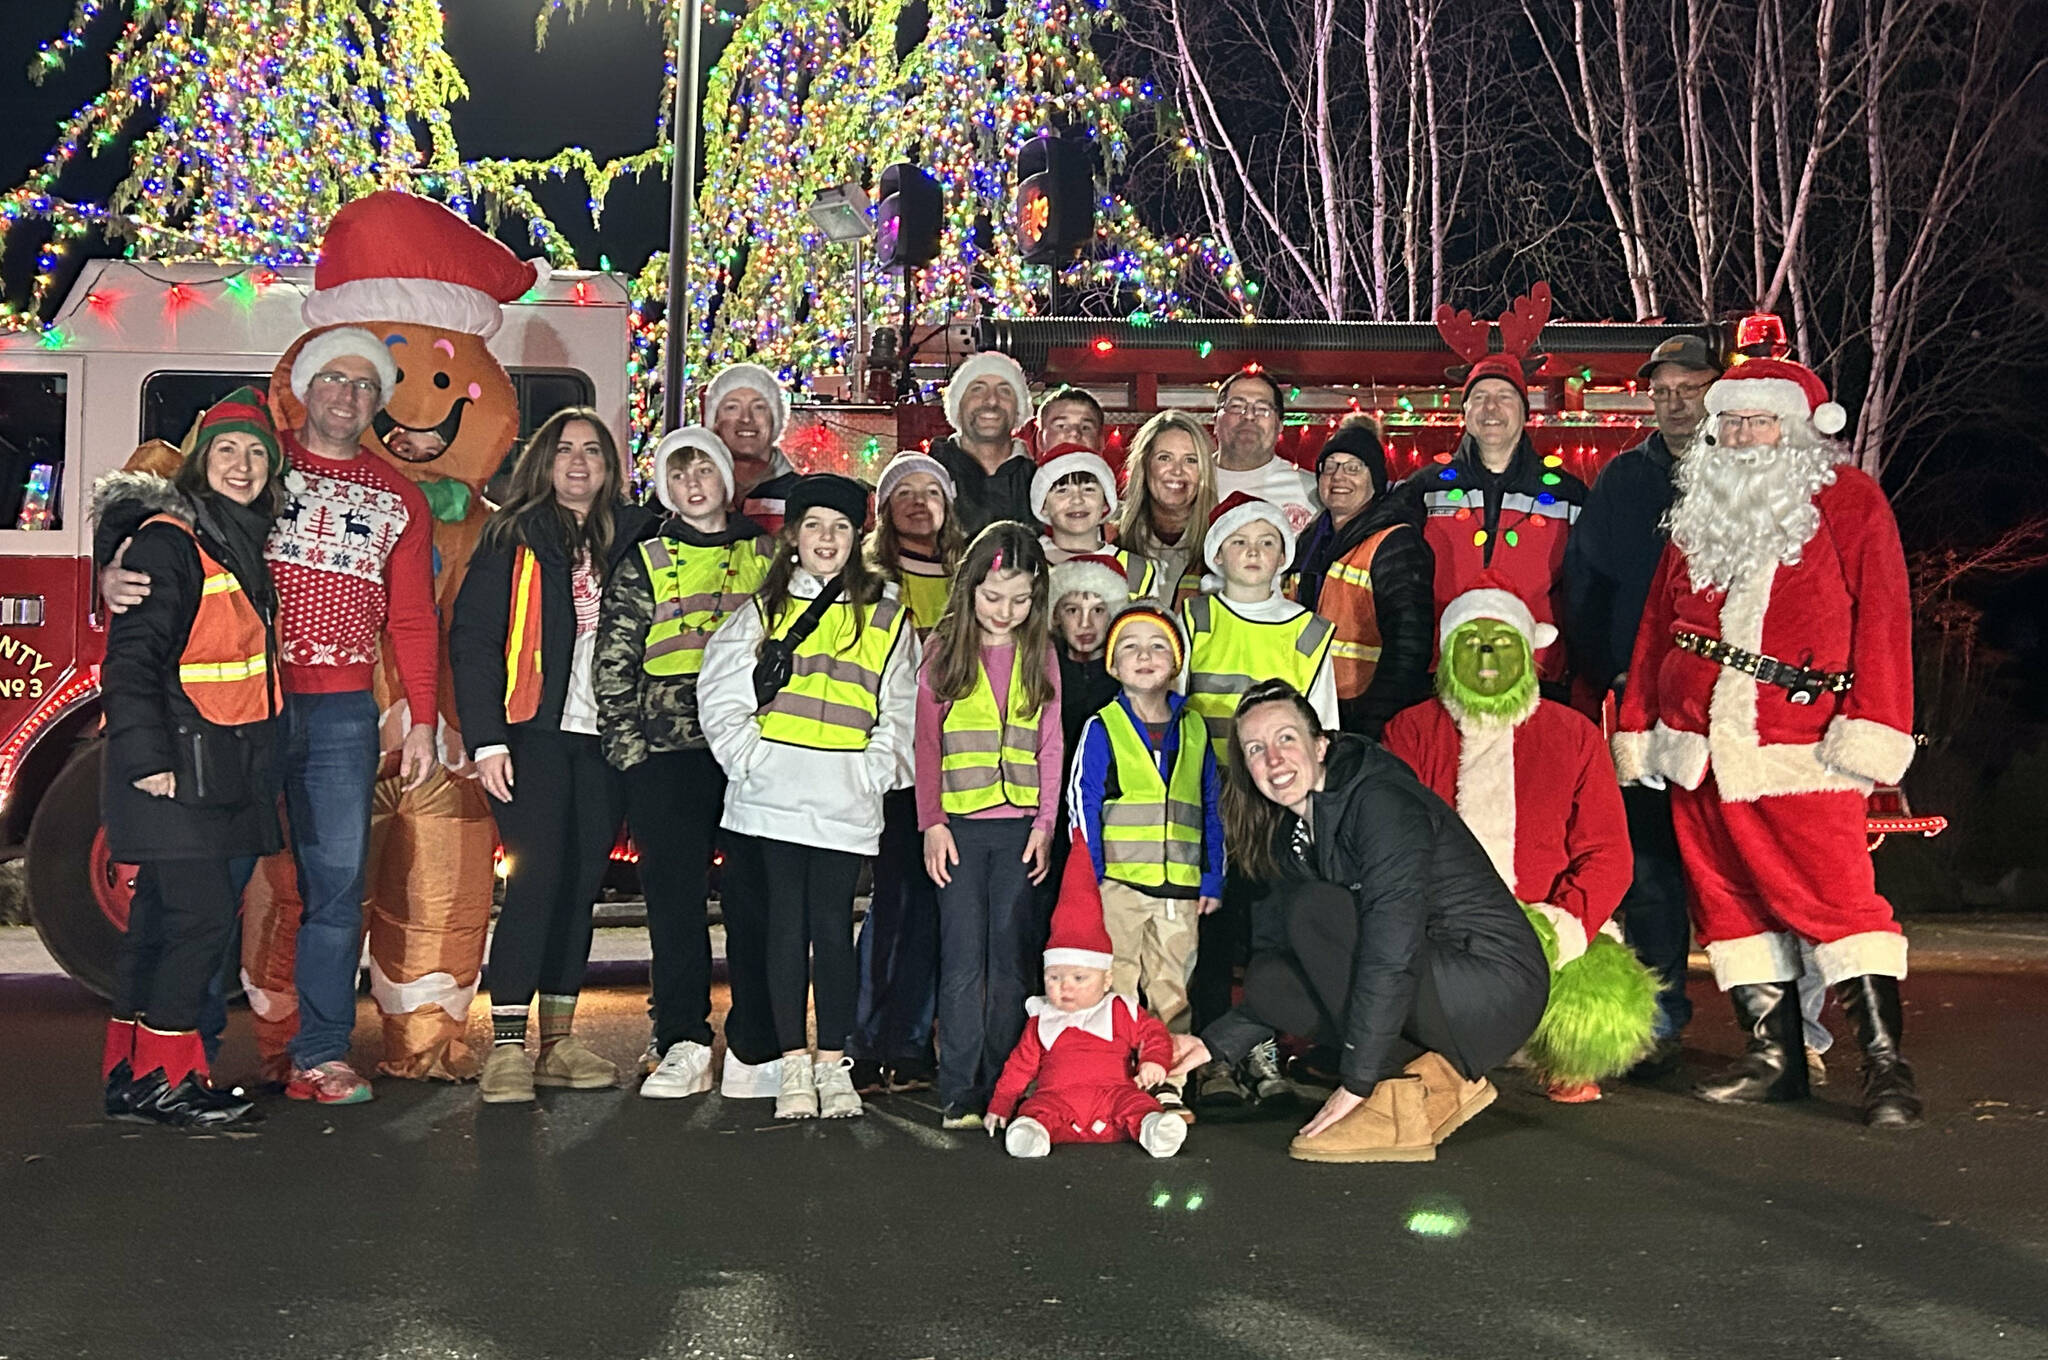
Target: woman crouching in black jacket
[
  {"x": 523, "y": 644},
  {"x": 187, "y": 791},
  {"x": 1388, "y": 935}
]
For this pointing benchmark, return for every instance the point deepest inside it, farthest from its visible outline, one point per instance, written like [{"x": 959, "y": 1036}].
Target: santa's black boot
[
  {"x": 1773, "y": 1066},
  {"x": 1890, "y": 1100}
]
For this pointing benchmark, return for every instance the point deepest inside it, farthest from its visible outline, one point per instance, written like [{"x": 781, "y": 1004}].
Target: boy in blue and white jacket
[{"x": 1146, "y": 797}]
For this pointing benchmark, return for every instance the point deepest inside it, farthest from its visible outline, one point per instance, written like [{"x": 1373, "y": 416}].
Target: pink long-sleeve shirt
[{"x": 931, "y": 716}]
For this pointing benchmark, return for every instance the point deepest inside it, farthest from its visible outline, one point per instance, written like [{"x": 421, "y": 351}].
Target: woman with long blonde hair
[{"x": 1170, "y": 490}]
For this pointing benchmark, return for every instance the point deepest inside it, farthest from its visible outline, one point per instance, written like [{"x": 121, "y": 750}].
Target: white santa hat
[
  {"x": 322, "y": 348},
  {"x": 1079, "y": 939},
  {"x": 752, "y": 377},
  {"x": 1062, "y": 461},
  {"x": 1491, "y": 597},
  {"x": 391, "y": 256},
  {"x": 1096, "y": 574},
  {"x": 1792, "y": 391},
  {"x": 698, "y": 437},
  {"x": 987, "y": 364},
  {"x": 1238, "y": 509},
  {"x": 910, "y": 461}
]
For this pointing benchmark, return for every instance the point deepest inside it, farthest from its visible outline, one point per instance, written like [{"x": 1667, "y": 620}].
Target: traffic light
[
  {"x": 908, "y": 223},
  {"x": 1055, "y": 199}
]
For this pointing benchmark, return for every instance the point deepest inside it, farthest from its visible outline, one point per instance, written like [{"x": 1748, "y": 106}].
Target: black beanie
[
  {"x": 833, "y": 492},
  {"x": 1358, "y": 439}
]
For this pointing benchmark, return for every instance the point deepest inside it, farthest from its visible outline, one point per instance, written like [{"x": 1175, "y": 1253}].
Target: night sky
[{"x": 595, "y": 85}]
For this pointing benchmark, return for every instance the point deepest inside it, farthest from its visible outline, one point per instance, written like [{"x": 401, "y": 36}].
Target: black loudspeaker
[
  {"x": 1055, "y": 213},
  {"x": 908, "y": 223}
]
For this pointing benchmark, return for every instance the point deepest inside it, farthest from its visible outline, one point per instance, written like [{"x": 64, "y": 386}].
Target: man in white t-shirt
[{"x": 1249, "y": 411}]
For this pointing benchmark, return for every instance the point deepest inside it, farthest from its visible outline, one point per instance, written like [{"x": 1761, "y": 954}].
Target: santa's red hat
[
  {"x": 1493, "y": 597},
  {"x": 1789, "y": 390},
  {"x": 1238, "y": 509},
  {"x": 391, "y": 256},
  {"x": 1062, "y": 461},
  {"x": 1079, "y": 938}
]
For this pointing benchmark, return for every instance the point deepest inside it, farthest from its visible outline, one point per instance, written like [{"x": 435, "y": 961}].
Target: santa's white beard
[{"x": 1740, "y": 508}]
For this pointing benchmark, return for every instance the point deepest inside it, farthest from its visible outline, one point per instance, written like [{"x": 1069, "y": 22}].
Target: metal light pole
[{"x": 682, "y": 200}]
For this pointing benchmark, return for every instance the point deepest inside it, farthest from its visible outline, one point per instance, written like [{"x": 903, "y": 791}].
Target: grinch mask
[{"x": 1487, "y": 671}]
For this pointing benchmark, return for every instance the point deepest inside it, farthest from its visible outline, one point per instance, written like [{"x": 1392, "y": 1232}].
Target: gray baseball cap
[{"x": 1687, "y": 351}]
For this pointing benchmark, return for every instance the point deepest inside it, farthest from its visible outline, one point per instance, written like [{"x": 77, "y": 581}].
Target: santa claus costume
[
  {"x": 1084, "y": 1062},
  {"x": 1532, "y": 780},
  {"x": 1772, "y": 685}
]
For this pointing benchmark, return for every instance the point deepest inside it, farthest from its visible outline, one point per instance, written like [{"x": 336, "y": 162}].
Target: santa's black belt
[{"x": 1803, "y": 683}]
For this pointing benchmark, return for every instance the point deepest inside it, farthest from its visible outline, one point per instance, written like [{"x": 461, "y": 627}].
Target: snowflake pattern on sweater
[{"x": 334, "y": 527}]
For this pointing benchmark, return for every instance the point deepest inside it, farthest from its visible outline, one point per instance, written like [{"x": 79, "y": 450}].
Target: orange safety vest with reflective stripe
[
  {"x": 225, "y": 668},
  {"x": 522, "y": 639},
  {"x": 1346, "y": 600}
]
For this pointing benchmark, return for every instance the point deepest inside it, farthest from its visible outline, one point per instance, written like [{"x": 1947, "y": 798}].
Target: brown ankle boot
[
  {"x": 1448, "y": 1097},
  {"x": 1391, "y": 1126}
]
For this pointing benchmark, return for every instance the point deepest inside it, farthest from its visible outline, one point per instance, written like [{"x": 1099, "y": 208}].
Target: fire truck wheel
[{"x": 66, "y": 906}]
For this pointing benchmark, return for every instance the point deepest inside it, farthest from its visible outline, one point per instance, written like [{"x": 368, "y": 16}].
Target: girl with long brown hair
[
  {"x": 522, "y": 645},
  {"x": 988, "y": 765}
]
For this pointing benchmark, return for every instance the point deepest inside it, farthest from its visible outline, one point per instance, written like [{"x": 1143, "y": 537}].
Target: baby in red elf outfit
[{"x": 1093, "y": 1054}]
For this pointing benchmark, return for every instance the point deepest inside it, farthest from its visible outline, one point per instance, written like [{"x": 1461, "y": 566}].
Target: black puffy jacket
[
  {"x": 1419, "y": 877},
  {"x": 1403, "y": 602},
  {"x": 145, "y": 707}
]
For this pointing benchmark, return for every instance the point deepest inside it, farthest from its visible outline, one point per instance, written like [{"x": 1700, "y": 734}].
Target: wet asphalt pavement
[{"x": 599, "y": 1224}]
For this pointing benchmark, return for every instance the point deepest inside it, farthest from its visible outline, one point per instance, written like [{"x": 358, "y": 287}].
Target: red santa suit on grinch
[
  {"x": 1085, "y": 1062},
  {"x": 1772, "y": 685},
  {"x": 1535, "y": 787}
]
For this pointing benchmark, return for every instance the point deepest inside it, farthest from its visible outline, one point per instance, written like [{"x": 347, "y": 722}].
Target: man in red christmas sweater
[
  {"x": 1532, "y": 780},
  {"x": 352, "y": 558},
  {"x": 1771, "y": 686},
  {"x": 1093, "y": 1054}
]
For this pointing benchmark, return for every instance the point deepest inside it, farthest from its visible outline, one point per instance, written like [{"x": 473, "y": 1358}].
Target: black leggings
[
  {"x": 673, "y": 800},
  {"x": 810, "y": 941},
  {"x": 179, "y": 925},
  {"x": 558, "y": 832},
  {"x": 1305, "y": 990}
]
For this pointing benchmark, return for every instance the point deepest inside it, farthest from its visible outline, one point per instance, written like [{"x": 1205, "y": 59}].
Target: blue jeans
[
  {"x": 985, "y": 916},
  {"x": 898, "y": 952},
  {"x": 330, "y": 773}
]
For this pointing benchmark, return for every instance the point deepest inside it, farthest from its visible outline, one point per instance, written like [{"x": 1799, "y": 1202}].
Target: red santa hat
[
  {"x": 1079, "y": 939},
  {"x": 1062, "y": 461},
  {"x": 752, "y": 377},
  {"x": 1238, "y": 509},
  {"x": 987, "y": 364},
  {"x": 1491, "y": 597},
  {"x": 1096, "y": 574},
  {"x": 391, "y": 256},
  {"x": 1790, "y": 390}
]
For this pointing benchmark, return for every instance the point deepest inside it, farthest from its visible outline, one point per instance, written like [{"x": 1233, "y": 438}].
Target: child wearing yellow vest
[
  {"x": 808, "y": 698},
  {"x": 1073, "y": 493},
  {"x": 668, "y": 596},
  {"x": 988, "y": 769},
  {"x": 1147, "y": 800},
  {"x": 1242, "y": 630},
  {"x": 917, "y": 543}
]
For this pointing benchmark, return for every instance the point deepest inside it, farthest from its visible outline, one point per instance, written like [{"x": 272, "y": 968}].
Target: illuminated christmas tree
[
  {"x": 809, "y": 94},
  {"x": 245, "y": 123}
]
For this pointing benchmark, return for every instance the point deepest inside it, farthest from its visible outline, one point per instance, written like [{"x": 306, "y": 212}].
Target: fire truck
[{"x": 136, "y": 352}]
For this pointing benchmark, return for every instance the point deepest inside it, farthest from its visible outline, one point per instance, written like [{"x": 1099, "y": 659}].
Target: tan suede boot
[
  {"x": 1449, "y": 1099},
  {"x": 1391, "y": 1126}
]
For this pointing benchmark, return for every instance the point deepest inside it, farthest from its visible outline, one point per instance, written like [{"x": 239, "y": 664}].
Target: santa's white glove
[{"x": 1571, "y": 935}]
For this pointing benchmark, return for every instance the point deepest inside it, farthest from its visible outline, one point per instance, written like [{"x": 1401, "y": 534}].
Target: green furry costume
[{"x": 1558, "y": 823}]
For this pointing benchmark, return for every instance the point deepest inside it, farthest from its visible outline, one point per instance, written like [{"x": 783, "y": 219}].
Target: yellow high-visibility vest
[
  {"x": 1229, "y": 653},
  {"x": 695, "y": 590},
  {"x": 224, "y": 668},
  {"x": 924, "y": 588},
  {"x": 835, "y": 684},
  {"x": 1152, "y": 830},
  {"x": 987, "y": 759}
]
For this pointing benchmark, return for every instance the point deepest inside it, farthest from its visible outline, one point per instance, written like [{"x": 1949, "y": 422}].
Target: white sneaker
[
  {"x": 797, "y": 1097},
  {"x": 1026, "y": 1137},
  {"x": 750, "y": 1081},
  {"x": 1162, "y": 1134},
  {"x": 685, "y": 1070},
  {"x": 836, "y": 1097}
]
